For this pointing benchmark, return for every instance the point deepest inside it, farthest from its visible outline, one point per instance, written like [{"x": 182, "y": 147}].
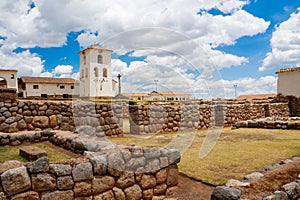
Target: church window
[
  {"x": 96, "y": 71},
  {"x": 12, "y": 76},
  {"x": 100, "y": 59},
  {"x": 104, "y": 72},
  {"x": 86, "y": 73}
]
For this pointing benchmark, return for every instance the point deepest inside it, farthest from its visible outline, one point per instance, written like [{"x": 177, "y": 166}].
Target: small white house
[
  {"x": 47, "y": 87},
  {"x": 8, "y": 79},
  {"x": 160, "y": 95},
  {"x": 288, "y": 81},
  {"x": 96, "y": 73}
]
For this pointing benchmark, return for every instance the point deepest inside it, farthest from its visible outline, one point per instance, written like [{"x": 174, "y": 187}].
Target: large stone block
[
  {"x": 65, "y": 183},
  {"x": 58, "y": 195},
  {"x": 83, "y": 172},
  {"x": 15, "y": 181},
  {"x": 125, "y": 180},
  {"x": 40, "y": 121},
  {"x": 133, "y": 193},
  {"x": 102, "y": 184},
  {"x": 109, "y": 195},
  {"x": 40, "y": 165},
  {"x": 147, "y": 181},
  {"x": 60, "y": 169},
  {"x": 99, "y": 164},
  {"x": 223, "y": 192},
  {"x": 82, "y": 189},
  {"x": 172, "y": 177},
  {"x": 119, "y": 194},
  {"x": 30, "y": 195},
  {"x": 43, "y": 182},
  {"x": 31, "y": 153}
]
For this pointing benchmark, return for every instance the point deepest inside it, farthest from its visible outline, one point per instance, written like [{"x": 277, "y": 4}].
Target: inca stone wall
[
  {"x": 108, "y": 173},
  {"x": 168, "y": 117},
  {"x": 19, "y": 115}
]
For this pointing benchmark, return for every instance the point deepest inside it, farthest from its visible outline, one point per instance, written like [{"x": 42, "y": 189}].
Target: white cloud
[
  {"x": 178, "y": 42},
  {"x": 25, "y": 62},
  {"x": 63, "y": 69},
  {"x": 285, "y": 44}
]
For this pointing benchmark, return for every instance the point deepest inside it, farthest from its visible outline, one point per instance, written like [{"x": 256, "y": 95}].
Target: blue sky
[{"x": 199, "y": 46}]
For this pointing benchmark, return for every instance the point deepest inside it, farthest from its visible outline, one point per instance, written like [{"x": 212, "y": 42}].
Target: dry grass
[{"x": 237, "y": 152}]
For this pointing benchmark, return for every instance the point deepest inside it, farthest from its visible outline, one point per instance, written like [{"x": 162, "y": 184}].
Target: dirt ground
[{"x": 189, "y": 189}]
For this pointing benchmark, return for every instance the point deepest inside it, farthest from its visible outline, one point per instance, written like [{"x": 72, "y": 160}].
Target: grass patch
[
  {"x": 237, "y": 152},
  {"x": 12, "y": 153}
]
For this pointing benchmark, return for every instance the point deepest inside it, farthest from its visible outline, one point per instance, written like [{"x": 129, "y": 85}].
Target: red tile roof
[
  {"x": 96, "y": 47},
  {"x": 288, "y": 70},
  {"x": 256, "y": 96},
  {"x": 28, "y": 79}
]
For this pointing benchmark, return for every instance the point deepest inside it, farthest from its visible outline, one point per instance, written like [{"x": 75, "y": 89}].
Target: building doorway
[{"x": 3, "y": 83}]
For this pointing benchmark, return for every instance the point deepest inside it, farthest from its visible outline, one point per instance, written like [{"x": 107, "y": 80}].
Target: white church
[{"x": 96, "y": 73}]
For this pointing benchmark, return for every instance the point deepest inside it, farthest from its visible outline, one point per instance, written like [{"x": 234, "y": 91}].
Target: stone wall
[
  {"x": 19, "y": 115},
  {"x": 168, "y": 117},
  {"x": 293, "y": 102},
  {"x": 110, "y": 173}
]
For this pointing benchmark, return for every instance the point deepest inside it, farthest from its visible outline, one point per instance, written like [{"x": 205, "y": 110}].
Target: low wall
[
  {"x": 268, "y": 124},
  {"x": 112, "y": 173},
  {"x": 19, "y": 115},
  {"x": 169, "y": 117}
]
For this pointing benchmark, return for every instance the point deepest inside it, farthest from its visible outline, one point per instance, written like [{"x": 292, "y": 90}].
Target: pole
[
  {"x": 119, "y": 81},
  {"x": 156, "y": 84},
  {"x": 235, "y": 86}
]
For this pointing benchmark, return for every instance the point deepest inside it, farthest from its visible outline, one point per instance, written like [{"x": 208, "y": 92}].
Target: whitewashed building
[
  {"x": 160, "y": 95},
  {"x": 8, "y": 79},
  {"x": 288, "y": 81},
  {"x": 96, "y": 73},
  {"x": 47, "y": 87}
]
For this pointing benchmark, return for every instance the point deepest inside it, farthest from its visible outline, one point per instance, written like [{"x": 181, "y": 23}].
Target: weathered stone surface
[
  {"x": 236, "y": 183},
  {"x": 31, "y": 195},
  {"x": 135, "y": 163},
  {"x": 223, "y": 192},
  {"x": 84, "y": 198},
  {"x": 31, "y": 153},
  {"x": 102, "y": 184},
  {"x": 147, "y": 181},
  {"x": 133, "y": 193},
  {"x": 53, "y": 121},
  {"x": 60, "y": 169},
  {"x": 125, "y": 180},
  {"x": 40, "y": 165},
  {"x": 172, "y": 177},
  {"x": 65, "y": 183},
  {"x": 160, "y": 189},
  {"x": 293, "y": 190},
  {"x": 99, "y": 164},
  {"x": 253, "y": 176},
  {"x": 43, "y": 182},
  {"x": 280, "y": 195},
  {"x": 119, "y": 194},
  {"x": 115, "y": 163},
  {"x": 82, "y": 189},
  {"x": 2, "y": 196},
  {"x": 15, "y": 180},
  {"x": 161, "y": 176},
  {"x": 10, "y": 164},
  {"x": 82, "y": 172},
  {"x": 22, "y": 125},
  {"x": 109, "y": 195},
  {"x": 148, "y": 194},
  {"x": 40, "y": 121},
  {"x": 58, "y": 195}
]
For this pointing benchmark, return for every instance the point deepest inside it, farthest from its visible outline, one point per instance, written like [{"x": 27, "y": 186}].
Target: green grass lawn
[
  {"x": 237, "y": 152},
  {"x": 12, "y": 153}
]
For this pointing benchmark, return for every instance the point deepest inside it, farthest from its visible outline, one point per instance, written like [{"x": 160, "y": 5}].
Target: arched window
[
  {"x": 3, "y": 83},
  {"x": 86, "y": 73},
  {"x": 100, "y": 59},
  {"x": 104, "y": 72},
  {"x": 12, "y": 76},
  {"x": 96, "y": 72}
]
